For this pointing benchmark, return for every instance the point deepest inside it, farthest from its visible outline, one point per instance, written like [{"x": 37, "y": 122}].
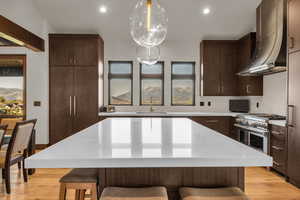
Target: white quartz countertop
[
  {"x": 278, "y": 122},
  {"x": 147, "y": 142},
  {"x": 166, "y": 114}
]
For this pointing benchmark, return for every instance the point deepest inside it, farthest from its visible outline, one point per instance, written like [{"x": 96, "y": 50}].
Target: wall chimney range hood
[{"x": 271, "y": 32}]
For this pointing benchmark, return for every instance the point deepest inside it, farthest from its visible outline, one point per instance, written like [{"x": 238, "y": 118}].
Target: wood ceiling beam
[{"x": 19, "y": 35}]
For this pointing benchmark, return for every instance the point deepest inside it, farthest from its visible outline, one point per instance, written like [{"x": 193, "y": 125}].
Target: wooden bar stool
[
  {"x": 80, "y": 180},
  {"x": 149, "y": 193},
  {"x": 229, "y": 193}
]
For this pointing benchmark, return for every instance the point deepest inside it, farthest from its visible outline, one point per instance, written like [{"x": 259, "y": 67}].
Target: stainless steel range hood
[{"x": 271, "y": 48}]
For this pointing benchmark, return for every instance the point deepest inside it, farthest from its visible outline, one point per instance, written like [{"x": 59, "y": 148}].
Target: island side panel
[{"x": 173, "y": 178}]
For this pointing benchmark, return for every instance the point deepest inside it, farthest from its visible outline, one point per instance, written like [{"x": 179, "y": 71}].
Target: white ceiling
[{"x": 229, "y": 19}]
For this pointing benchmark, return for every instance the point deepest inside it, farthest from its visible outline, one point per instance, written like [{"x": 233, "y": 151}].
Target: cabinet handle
[
  {"x": 291, "y": 115},
  {"x": 276, "y": 163},
  {"x": 212, "y": 121},
  {"x": 277, "y": 148},
  {"x": 248, "y": 89},
  {"x": 292, "y": 42},
  {"x": 70, "y": 113},
  {"x": 219, "y": 89},
  {"x": 74, "y": 99},
  {"x": 277, "y": 133}
]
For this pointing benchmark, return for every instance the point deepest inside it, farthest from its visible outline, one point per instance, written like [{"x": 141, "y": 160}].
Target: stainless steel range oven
[
  {"x": 256, "y": 139},
  {"x": 253, "y": 130}
]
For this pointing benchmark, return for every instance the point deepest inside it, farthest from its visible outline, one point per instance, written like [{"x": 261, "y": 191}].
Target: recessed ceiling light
[
  {"x": 206, "y": 11},
  {"x": 102, "y": 9}
]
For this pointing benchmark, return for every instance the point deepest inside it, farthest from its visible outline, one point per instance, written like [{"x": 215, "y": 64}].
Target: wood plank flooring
[{"x": 260, "y": 185}]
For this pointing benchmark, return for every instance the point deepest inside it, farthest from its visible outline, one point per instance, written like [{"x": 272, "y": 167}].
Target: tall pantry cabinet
[
  {"x": 294, "y": 93},
  {"x": 75, "y": 64}
]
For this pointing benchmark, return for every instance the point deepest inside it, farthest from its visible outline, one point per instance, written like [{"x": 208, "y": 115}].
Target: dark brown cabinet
[
  {"x": 250, "y": 85},
  {"x": 74, "y": 83},
  {"x": 294, "y": 118},
  {"x": 61, "y": 94},
  {"x": 218, "y": 67},
  {"x": 221, "y": 60},
  {"x": 294, "y": 25},
  {"x": 217, "y": 123},
  {"x": 85, "y": 97},
  {"x": 74, "y": 50},
  {"x": 293, "y": 165},
  {"x": 278, "y": 148}
]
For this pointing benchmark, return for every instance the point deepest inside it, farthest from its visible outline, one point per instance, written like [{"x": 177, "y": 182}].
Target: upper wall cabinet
[
  {"x": 250, "y": 85},
  {"x": 218, "y": 68},
  {"x": 221, "y": 60},
  {"x": 74, "y": 50},
  {"x": 294, "y": 25}
]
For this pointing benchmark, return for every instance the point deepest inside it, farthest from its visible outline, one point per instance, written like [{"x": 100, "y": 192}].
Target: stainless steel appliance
[
  {"x": 253, "y": 130},
  {"x": 271, "y": 26}
]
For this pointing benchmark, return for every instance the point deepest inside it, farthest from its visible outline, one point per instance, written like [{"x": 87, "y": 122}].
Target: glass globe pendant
[
  {"x": 148, "y": 55},
  {"x": 148, "y": 23}
]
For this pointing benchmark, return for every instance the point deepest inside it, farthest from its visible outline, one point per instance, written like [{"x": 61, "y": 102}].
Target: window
[
  {"x": 152, "y": 87},
  {"x": 120, "y": 83},
  {"x": 183, "y": 83}
]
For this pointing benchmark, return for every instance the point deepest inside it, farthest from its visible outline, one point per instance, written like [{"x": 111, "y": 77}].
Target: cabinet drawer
[
  {"x": 217, "y": 123},
  {"x": 278, "y": 133},
  {"x": 278, "y": 148},
  {"x": 280, "y": 144},
  {"x": 279, "y": 160},
  {"x": 279, "y": 166}
]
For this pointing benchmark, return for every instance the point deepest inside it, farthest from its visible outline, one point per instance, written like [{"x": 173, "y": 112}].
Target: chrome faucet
[{"x": 151, "y": 103}]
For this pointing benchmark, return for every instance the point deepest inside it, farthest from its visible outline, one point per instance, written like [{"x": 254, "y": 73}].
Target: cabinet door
[
  {"x": 210, "y": 53},
  {"x": 60, "y": 51},
  {"x": 86, "y": 51},
  {"x": 85, "y": 97},
  {"x": 61, "y": 92},
  {"x": 294, "y": 25},
  {"x": 248, "y": 86},
  {"x": 227, "y": 65},
  {"x": 294, "y": 119}
]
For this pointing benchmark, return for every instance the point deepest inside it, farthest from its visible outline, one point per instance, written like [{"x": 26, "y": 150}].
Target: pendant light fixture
[
  {"x": 148, "y": 23},
  {"x": 148, "y": 55}
]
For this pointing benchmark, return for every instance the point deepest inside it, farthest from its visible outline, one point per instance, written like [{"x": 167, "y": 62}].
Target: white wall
[
  {"x": 275, "y": 94},
  {"x": 170, "y": 51},
  {"x": 25, "y": 14}
]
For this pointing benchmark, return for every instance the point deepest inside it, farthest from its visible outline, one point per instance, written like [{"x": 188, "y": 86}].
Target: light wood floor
[{"x": 260, "y": 185}]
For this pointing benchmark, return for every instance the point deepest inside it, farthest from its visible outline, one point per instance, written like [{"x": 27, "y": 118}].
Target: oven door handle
[{"x": 250, "y": 129}]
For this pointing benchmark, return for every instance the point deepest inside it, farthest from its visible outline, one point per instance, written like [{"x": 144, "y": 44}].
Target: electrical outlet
[
  {"x": 209, "y": 103},
  {"x": 257, "y": 105},
  {"x": 202, "y": 103},
  {"x": 37, "y": 103}
]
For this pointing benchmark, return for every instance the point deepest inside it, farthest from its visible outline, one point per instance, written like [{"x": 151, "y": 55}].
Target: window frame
[
  {"x": 153, "y": 76},
  {"x": 120, "y": 76},
  {"x": 184, "y": 77}
]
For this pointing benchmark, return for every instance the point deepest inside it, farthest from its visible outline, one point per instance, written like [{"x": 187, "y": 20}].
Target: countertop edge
[{"x": 168, "y": 114}]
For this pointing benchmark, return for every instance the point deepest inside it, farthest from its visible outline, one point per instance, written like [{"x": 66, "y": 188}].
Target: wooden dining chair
[
  {"x": 17, "y": 150},
  {"x": 3, "y": 129},
  {"x": 11, "y": 124}
]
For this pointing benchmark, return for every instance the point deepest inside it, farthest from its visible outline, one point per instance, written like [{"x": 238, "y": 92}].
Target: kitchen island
[{"x": 172, "y": 152}]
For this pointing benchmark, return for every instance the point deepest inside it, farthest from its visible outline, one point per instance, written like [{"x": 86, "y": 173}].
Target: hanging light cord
[{"x": 149, "y": 5}]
